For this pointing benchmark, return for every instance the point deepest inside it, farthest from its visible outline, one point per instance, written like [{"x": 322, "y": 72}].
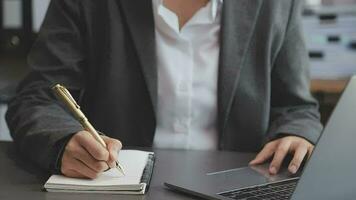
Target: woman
[{"x": 219, "y": 74}]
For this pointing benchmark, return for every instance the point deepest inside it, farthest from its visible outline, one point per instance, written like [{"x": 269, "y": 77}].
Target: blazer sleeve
[
  {"x": 38, "y": 122},
  {"x": 293, "y": 109}
]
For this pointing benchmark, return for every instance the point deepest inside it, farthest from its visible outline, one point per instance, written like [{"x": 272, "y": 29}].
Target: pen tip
[{"x": 121, "y": 171}]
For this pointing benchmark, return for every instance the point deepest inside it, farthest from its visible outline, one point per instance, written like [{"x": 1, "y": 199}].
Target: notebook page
[{"x": 133, "y": 161}]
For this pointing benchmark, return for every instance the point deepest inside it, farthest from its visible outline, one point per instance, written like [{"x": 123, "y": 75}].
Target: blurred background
[{"x": 330, "y": 34}]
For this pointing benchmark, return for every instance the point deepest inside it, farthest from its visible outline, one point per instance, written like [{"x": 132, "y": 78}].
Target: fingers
[
  {"x": 113, "y": 147},
  {"x": 73, "y": 174},
  {"x": 81, "y": 154},
  {"x": 280, "y": 148},
  {"x": 92, "y": 146},
  {"x": 310, "y": 150},
  {"x": 73, "y": 167},
  {"x": 298, "y": 158},
  {"x": 265, "y": 154},
  {"x": 279, "y": 155},
  {"x": 84, "y": 157}
]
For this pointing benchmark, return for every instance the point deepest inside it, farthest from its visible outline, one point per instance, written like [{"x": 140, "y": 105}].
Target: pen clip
[{"x": 66, "y": 93}]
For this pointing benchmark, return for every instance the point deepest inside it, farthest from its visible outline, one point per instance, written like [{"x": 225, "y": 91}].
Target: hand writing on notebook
[
  {"x": 280, "y": 148},
  {"x": 84, "y": 157}
]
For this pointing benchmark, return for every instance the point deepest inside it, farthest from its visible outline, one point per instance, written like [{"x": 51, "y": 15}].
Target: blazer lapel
[
  {"x": 139, "y": 16},
  {"x": 238, "y": 22}
]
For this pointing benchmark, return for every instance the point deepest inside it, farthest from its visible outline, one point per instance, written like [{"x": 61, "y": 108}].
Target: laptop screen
[{"x": 330, "y": 172}]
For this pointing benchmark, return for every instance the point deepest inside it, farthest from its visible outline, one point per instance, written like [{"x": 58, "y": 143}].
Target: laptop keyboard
[{"x": 273, "y": 191}]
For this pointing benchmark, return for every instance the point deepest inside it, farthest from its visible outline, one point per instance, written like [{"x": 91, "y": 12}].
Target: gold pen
[{"x": 63, "y": 94}]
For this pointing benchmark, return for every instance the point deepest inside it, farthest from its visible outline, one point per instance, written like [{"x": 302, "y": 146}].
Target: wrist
[{"x": 59, "y": 150}]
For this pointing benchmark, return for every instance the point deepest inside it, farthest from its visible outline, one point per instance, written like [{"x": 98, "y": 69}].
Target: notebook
[{"x": 138, "y": 167}]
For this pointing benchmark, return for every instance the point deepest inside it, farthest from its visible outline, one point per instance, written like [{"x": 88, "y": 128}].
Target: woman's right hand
[{"x": 84, "y": 157}]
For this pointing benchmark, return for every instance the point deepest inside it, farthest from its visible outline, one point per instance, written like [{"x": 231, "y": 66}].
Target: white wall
[
  {"x": 39, "y": 12},
  {"x": 313, "y": 2},
  {"x": 4, "y": 132},
  {"x": 12, "y": 13},
  {"x": 329, "y": 2},
  {"x": 12, "y": 10}
]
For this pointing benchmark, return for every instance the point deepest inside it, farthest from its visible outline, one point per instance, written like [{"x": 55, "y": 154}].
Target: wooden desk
[
  {"x": 327, "y": 92},
  {"x": 328, "y": 86}
]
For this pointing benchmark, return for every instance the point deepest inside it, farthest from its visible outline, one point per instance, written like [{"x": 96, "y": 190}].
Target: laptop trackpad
[{"x": 246, "y": 176}]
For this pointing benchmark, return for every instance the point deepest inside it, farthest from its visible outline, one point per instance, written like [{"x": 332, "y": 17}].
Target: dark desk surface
[{"x": 21, "y": 180}]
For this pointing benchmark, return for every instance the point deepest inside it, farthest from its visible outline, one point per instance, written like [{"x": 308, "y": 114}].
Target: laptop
[{"x": 330, "y": 173}]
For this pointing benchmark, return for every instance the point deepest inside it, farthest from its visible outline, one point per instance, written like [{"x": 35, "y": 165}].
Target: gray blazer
[{"x": 104, "y": 52}]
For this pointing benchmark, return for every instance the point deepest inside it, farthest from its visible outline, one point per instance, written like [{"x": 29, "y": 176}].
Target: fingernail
[
  {"x": 293, "y": 169},
  {"x": 252, "y": 162},
  {"x": 115, "y": 149},
  {"x": 273, "y": 170}
]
